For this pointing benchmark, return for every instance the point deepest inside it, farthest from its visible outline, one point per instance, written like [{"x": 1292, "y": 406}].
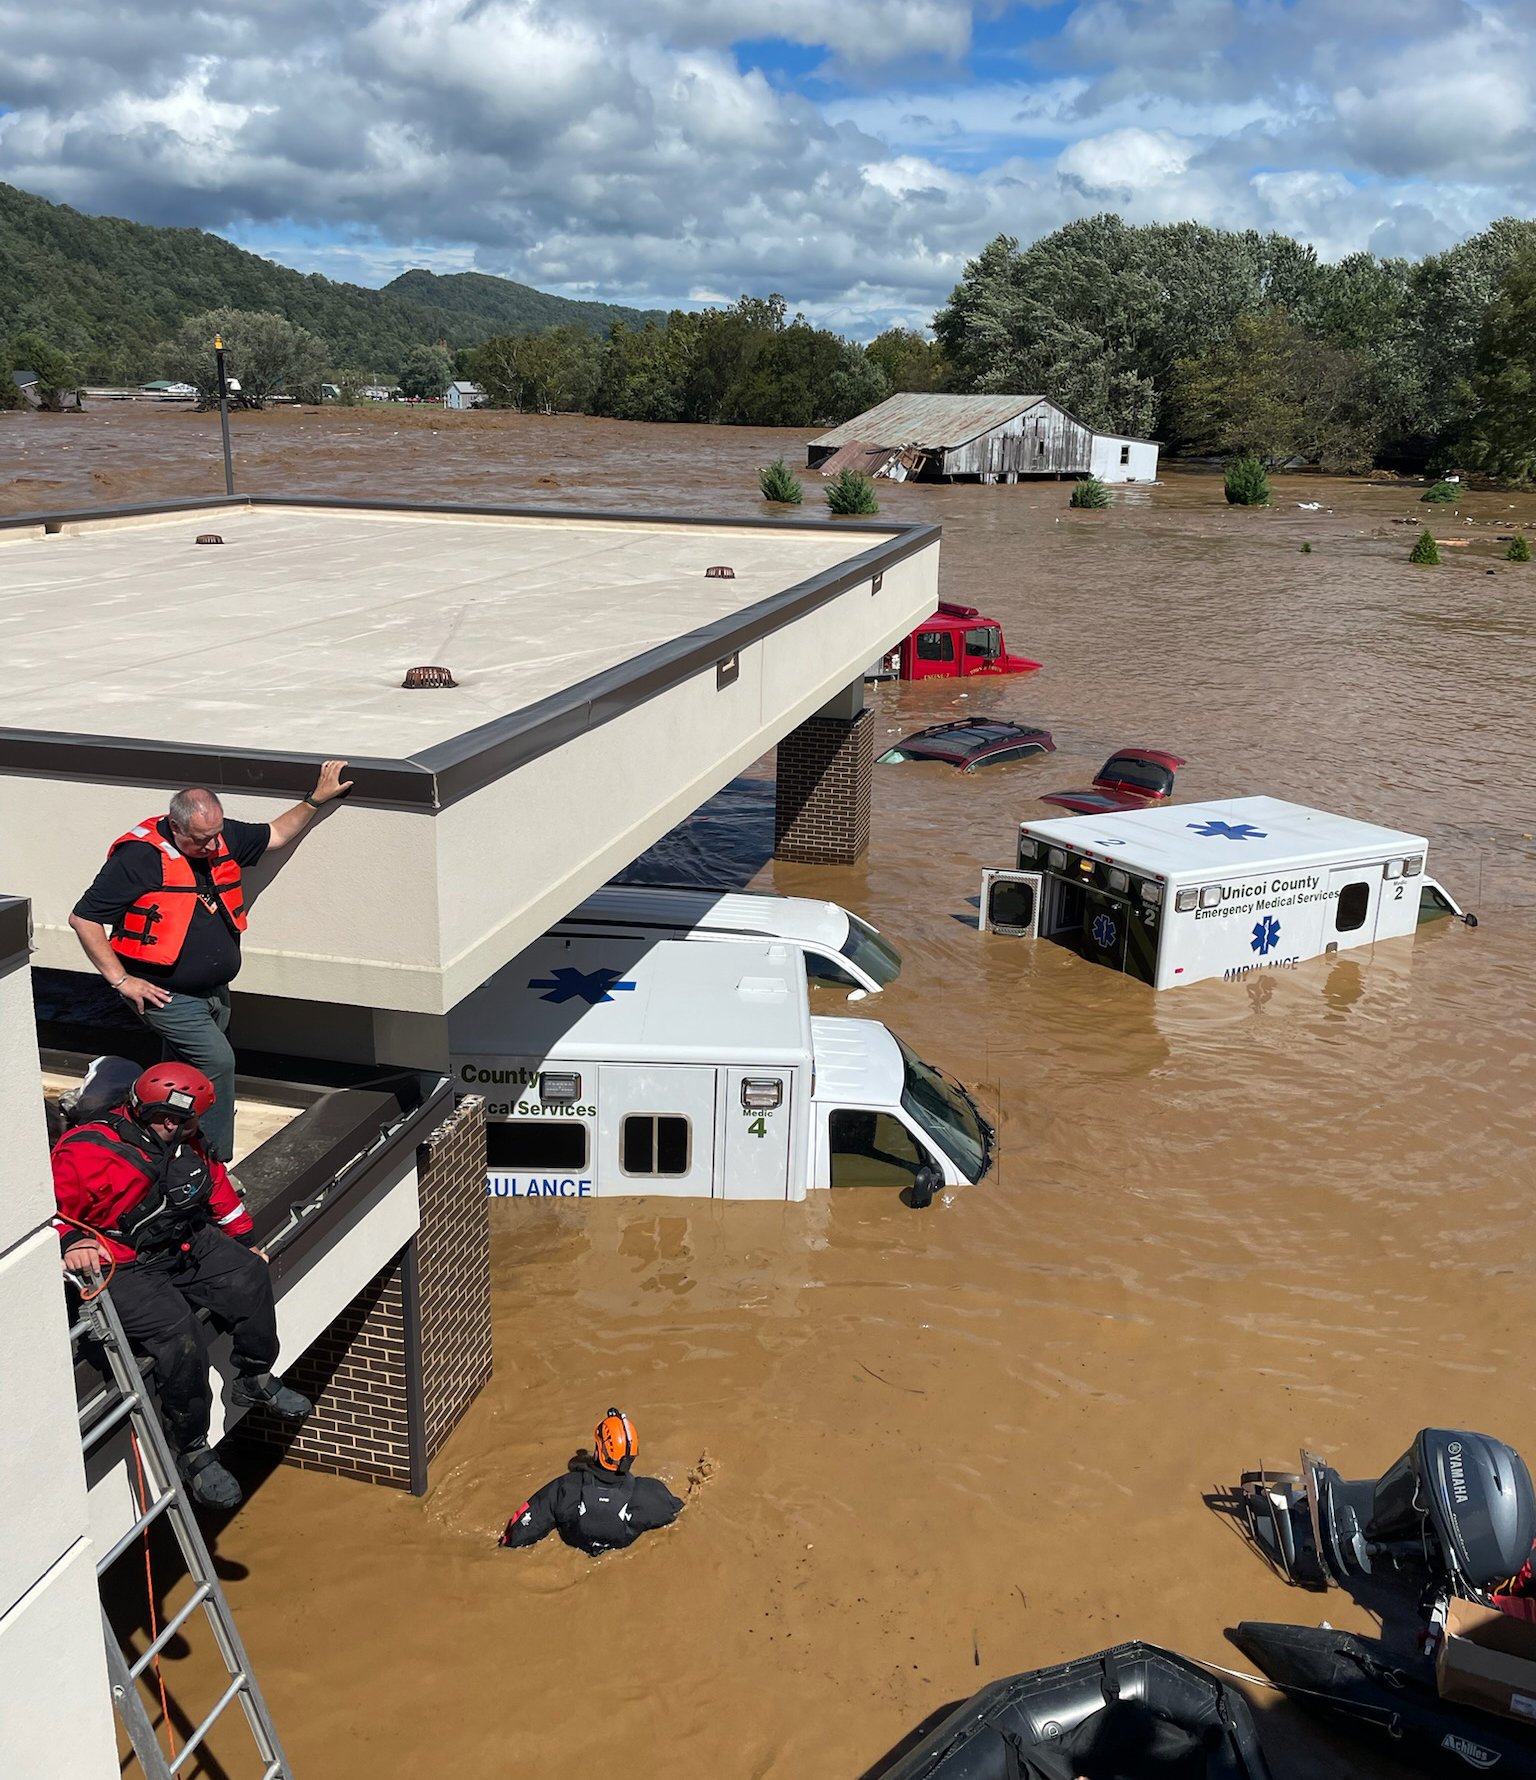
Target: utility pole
[{"x": 229, "y": 467}]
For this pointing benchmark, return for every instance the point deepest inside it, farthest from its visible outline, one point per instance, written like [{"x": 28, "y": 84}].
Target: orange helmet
[
  {"x": 171, "y": 1091},
  {"x": 614, "y": 1441}
]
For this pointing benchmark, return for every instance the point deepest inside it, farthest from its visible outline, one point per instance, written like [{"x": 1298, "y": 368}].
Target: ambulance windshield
[
  {"x": 948, "y": 1114},
  {"x": 876, "y": 957}
]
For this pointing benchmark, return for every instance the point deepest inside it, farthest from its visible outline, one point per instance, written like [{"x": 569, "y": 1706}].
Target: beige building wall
[{"x": 54, "y": 1702}]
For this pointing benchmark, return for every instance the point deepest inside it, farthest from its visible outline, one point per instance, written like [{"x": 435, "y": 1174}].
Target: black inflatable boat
[
  {"x": 1132, "y": 1713},
  {"x": 1388, "y": 1698}
]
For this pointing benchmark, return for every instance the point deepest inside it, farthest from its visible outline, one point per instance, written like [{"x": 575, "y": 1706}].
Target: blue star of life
[
  {"x": 1266, "y": 935},
  {"x": 1103, "y": 931},
  {"x": 1228, "y": 831},
  {"x": 569, "y": 984}
]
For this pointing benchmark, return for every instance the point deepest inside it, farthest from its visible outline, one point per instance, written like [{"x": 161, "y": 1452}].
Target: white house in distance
[
  {"x": 934, "y": 438},
  {"x": 465, "y": 395}
]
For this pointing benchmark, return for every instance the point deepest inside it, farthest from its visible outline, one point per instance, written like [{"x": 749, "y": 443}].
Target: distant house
[
  {"x": 931, "y": 438},
  {"x": 465, "y": 395}
]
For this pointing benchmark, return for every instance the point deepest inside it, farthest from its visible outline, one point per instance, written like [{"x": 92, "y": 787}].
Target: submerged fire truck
[{"x": 955, "y": 642}]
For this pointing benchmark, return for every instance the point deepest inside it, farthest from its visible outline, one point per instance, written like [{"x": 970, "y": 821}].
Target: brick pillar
[
  {"x": 395, "y": 1371},
  {"x": 821, "y": 800}
]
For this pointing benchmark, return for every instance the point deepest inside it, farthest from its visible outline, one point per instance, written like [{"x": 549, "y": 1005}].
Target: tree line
[{"x": 1218, "y": 343}]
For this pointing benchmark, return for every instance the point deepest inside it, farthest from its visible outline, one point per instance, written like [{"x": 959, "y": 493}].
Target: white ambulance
[
  {"x": 615, "y": 1065},
  {"x": 1181, "y": 892}
]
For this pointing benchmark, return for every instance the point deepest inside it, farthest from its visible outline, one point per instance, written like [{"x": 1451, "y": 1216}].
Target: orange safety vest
[{"x": 154, "y": 929}]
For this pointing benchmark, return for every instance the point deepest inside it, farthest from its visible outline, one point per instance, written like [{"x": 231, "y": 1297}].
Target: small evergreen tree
[
  {"x": 1247, "y": 483},
  {"x": 780, "y": 483},
  {"x": 851, "y": 491},
  {"x": 1306, "y": 550},
  {"x": 1090, "y": 492},
  {"x": 1440, "y": 492},
  {"x": 1519, "y": 550},
  {"x": 1425, "y": 550}
]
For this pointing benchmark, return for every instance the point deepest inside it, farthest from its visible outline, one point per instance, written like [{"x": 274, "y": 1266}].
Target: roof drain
[
  {"x": 209, "y": 538},
  {"x": 421, "y": 678},
  {"x": 721, "y": 571}
]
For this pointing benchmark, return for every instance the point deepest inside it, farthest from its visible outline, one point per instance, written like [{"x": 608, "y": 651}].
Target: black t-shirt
[{"x": 210, "y": 954}]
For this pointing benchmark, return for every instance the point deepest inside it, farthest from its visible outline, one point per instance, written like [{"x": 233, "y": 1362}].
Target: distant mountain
[
  {"x": 509, "y": 308},
  {"x": 110, "y": 291}
]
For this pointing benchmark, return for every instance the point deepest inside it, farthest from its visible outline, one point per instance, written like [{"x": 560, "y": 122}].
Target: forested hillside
[{"x": 110, "y": 292}]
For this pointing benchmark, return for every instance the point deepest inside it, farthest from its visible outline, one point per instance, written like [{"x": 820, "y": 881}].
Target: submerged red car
[
  {"x": 1129, "y": 780},
  {"x": 971, "y": 743}
]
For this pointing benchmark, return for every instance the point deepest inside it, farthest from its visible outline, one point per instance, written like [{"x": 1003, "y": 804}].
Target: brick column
[
  {"x": 821, "y": 800},
  {"x": 395, "y": 1371}
]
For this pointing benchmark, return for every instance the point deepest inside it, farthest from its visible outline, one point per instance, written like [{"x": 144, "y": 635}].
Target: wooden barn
[{"x": 931, "y": 438}]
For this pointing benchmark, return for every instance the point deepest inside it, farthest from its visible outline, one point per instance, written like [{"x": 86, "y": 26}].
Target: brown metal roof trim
[{"x": 442, "y": 774}]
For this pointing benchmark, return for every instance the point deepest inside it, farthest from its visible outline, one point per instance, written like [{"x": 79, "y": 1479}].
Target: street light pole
[{"x": 229, "y": 467}]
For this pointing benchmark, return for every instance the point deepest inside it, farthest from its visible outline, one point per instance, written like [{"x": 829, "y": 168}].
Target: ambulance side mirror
[{"x": 925, "y": 1183}]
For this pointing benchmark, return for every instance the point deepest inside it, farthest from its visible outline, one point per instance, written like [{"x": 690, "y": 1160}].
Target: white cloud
[{"x": 627, "y": 148}]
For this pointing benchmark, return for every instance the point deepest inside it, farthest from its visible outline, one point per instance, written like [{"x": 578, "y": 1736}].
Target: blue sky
[{"x": 663, "y": 152}]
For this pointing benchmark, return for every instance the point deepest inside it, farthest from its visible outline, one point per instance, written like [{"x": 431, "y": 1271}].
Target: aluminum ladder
[{"x": 124, "y": 1398}]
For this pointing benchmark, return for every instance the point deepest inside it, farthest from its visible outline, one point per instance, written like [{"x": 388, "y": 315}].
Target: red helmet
[
  {"x": 171, "y": 1091},
  {"x": 615, "y": 1441}
]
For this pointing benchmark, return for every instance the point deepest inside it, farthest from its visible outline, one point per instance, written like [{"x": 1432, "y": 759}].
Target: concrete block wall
[
  {"x": 394, "y": 1373},
  {"x": 822, "y": 795}
]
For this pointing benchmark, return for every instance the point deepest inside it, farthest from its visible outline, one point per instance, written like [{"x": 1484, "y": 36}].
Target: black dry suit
[{"x": 594, "y": 1509}]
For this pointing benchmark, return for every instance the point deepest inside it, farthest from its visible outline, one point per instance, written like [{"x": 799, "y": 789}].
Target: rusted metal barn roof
[{"x": 936, "y": 421}]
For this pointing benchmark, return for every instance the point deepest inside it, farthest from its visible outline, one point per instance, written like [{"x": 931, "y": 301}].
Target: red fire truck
[{"x": 956, "y": 641}]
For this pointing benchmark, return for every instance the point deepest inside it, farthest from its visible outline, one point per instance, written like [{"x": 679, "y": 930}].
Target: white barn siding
[
  {"x": 1042, "y": 441},
  {"x": 1117, "y": 459}
]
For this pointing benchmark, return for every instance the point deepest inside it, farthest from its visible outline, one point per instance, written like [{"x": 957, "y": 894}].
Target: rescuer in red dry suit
[
  {"x": 162, "y": 922},
  {"x": 598, "y": 1504},
  {"x": 141, "y": 1201}
]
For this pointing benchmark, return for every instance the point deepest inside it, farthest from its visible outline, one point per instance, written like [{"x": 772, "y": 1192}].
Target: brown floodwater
[{"x": 1227, "y": 1221}]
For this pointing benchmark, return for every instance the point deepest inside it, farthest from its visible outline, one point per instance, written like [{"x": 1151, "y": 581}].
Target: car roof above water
[{"x": 1224, "y": 838}]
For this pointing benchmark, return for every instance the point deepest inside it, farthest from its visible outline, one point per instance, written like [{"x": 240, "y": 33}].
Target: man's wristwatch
[{"x": 309, "y": 798}]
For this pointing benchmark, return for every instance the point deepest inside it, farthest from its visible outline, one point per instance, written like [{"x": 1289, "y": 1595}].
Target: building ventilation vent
[
  {"x": 209, "y": 538},
  {"x": 418, "y": 679},
  {"x": 721, "y": 571}
]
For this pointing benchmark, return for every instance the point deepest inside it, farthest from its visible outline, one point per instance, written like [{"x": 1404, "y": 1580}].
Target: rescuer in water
[
  {"x": 141, "y": 1201},
  {"x": 170, "y": 893},
  {"x": 599, "y": 1504}
]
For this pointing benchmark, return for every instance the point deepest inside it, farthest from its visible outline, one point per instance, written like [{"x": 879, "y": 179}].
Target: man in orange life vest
[{"x": 171, "y": 897}]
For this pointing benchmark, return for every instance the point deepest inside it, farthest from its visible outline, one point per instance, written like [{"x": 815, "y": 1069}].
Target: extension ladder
[{"x": 161, "y": 1491}]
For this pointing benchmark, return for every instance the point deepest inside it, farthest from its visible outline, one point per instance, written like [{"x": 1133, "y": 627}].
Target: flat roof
[
  {"x": 610, "y": 998},
  {"x": 1225, "y": 837},
  {"x": 290, "y": 639}
]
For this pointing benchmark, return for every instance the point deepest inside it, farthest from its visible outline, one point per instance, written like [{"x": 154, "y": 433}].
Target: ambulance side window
[
  {"x": 537, "y": 1143},
  {"x": 871, "y": 1149},
  {"x": 654, "y": 1144},
  {"x": 820, "y": 969},
  {"x": 935, "y": 645},
  {"x": 1354, "y": 904}
]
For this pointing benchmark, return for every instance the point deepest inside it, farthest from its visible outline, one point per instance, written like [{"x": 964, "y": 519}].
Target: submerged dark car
[
  {"x": 971, "y": 743},
  {"x": 1129, "y": 780}
]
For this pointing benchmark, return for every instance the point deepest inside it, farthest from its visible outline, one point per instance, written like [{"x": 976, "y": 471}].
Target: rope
[
  {"x": 149, "y": 1583},
  {"x": 1356, "y": 1708},
  {"x": 105, "y": 1279}
]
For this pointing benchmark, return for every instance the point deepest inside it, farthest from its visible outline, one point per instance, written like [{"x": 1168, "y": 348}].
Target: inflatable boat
[
  {"x": 1132, "y": 1713},
  {"x": 1388, "y": 1698}
]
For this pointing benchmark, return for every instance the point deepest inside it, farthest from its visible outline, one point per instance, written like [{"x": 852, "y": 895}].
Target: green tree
[
  {"x": 425, "y": 373},
  {"x": 1090, "y": 493},
  {"x": 909, "y": 362},
  {"x": 1441, "y": 494},
  {"x": 851, "y": 491},
  {"x": 1269, "y": 390},
  {"x": 58, "y": 374},
  {"x": 265, "y": 354},
  {"x": 780, "y": 483},
  {"x": 1246, "y": 483},
  {"x": 1519, "y": 549},
  {"x": 1498, "y": 433},
  {"x": 1425, "y": 549}
]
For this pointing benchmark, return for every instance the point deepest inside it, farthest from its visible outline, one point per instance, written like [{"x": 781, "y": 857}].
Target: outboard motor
[{"x": 1457, "y": 1507}]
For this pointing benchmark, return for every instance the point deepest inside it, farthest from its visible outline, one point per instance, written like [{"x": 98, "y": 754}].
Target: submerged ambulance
[
  {"x": 614, "y": 1065},
  {"x": 1182, "y": 892}
]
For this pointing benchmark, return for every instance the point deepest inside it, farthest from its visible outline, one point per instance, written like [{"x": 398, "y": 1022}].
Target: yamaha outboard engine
[{"x": 1458, "y": 1508}]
